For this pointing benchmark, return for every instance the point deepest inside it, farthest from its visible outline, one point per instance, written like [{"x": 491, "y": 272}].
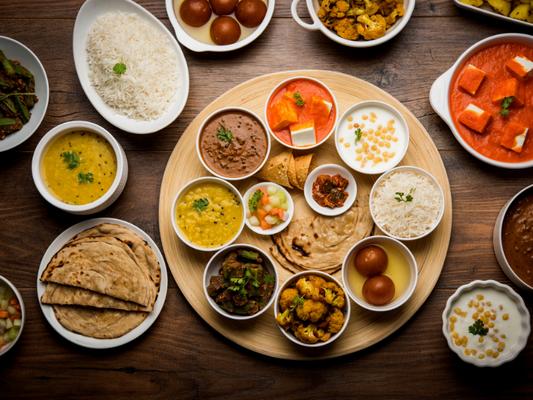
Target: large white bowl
[
  {"x": 440, "y": 93},
  {"x": 313, "y": 7},
  {"x": 16, "y": 51},
  {"x": 87, "y": 15},
  {"x": 195, "y": 45},
  {"x": 10, "y": 345},
  {"x": 103, "y": 202}
]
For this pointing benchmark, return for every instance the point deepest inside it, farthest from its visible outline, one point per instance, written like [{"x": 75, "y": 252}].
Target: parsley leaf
[
  {"x": 506, "y": 102},
  {"x": 253, "y": 201},
  {"x": 358, "y": 135},
  {"x": 119, "y": 68},
  {"x": 200, "y": 205},
  {"x": 298, "y": 97},
  {"x": 478, "y": 328},
  {"x": 224, "y": 134},
  {"x": 408, "y": 198},
  {"x": 297, "y": 302},
  {"x": 85, "y": 178},
  {"x": 71, "y": 158}
]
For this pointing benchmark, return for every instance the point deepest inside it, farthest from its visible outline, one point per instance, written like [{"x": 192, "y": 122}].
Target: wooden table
[{"x": 181, "y": 356}]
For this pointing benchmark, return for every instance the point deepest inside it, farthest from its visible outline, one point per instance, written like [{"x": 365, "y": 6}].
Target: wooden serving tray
[{"x": 262, "y": 334}]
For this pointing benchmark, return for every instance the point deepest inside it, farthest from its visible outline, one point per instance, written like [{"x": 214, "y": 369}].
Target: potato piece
[
  {"x": 475, "y": 3},
  {"x": 501, "y": 6},
  {"x": 521, "y": 12}
]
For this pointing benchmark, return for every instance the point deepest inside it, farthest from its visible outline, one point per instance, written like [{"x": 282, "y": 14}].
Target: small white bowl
[
  {"x": 346, "y": 310},
  {"x": 183, "y": 190},
  {"x": 330, "y": 169},
  {"x": 349, "y": 263},
  {"x": 195, "y": 45},
  {"x": 6, "y": 348},
  {"x": 313, "y": 7},
  {"x": 372, "y": 105},
  {"x": 498, "y": 245},
  {"x": 272, "y": 231},
  {"x": 114, "y": 191},
  {"x": 284, "y": 83},
  {"x": 213, "y": 268},
  {"x": 414, "y": 169},
  {"x": 487, "y": 10},
  {"x": 524, "y": 322},
  {"x": 214, "y": 114}
]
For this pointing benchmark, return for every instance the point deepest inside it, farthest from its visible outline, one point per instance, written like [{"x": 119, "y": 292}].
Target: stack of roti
[
  {"x": 103, "y": 282},
  {"x": 288, "y": 170}
]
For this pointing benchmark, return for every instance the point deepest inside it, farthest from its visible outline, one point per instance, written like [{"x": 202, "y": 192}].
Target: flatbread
[
  {"x": 98, "y": 323},
  {"x": 276, "y": 169},
  {"x": 304, "y": 165},
  {"x": 320, "y": 243}
]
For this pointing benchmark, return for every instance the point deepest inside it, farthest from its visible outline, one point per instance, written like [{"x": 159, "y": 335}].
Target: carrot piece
[
  {"x": 14, "y": 301},
  {"x": 280, "y": 213},
  {"x": 17, "y": 315},
  {"x": 261, "y": 214},
  {"x": 16, "y": 306},
  {"x": 265, "y": 225},
  {"x": 4, "y": 314},
  {"x": 274, "y": 211},
  {"x": 265, "y": 199}
]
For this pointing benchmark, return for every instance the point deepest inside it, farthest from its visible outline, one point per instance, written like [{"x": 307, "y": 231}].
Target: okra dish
[
  {"x": 17, "y": 95},
  {"x": 244, "y": 285}
]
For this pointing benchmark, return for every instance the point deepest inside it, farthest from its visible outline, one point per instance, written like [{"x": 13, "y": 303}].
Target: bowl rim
[
  {"x": 346, "y": 309},
  {"x": 285, "y": 82},
  {"x": 420, "y": 171},
  {"x": 377, "y": 103},
  {"x": 61, "y": 130},
  {"x": 280, "y": 227},
  {"x": 23, "y": 312},
  {"x": 195, "y": 182},
  {"x": 526, "y": 326},
  {"x": 195, "y": 45},
  {"x": 308, "y": 190},
  {"x": 214, "y": 114},
  {"x": 210, "y": 300},
  {"x": 413, "y": 267}
]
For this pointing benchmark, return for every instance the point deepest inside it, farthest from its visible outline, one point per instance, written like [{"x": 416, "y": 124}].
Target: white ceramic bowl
[
  {"x": 346, "y": 310},
  {"x": 313, "y": 7},
  {"x": 417, "y": 170},
  {"x": 498, "y": 245},
  {"x": 440, "y": 93},
  {"x": 114, "y": 191},
  {"x": 349, "y": 263},
  {"x": 16, "y": 51},
  {"x": 183, "y": 190},
  {"x": 213, "y": 269},
  {"x": 488, "y": 11},
  {"x": 372, "y": 105},
  {"x": 195, "y": 45},
  {"x": 524, "y": 322},
  {"x": 6, "y": 348},
  {"x": 330, "y": 169},
  {"x": 285, "y": 82},
  {"x": 226, "y": 109},
  {"x": 290, "y": 212}
]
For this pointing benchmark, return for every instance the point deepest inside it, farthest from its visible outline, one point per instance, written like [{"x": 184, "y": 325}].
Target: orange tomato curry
[
  {"x": 305, "y": 113},
  {"x": 492, "y": 61}
]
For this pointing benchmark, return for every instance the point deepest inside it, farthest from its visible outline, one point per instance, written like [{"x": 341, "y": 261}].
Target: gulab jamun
[
  {"x": 379, "y": 290},
  {"x": 250, "y": 13},
  {"x": 225, "y": 30},
  {"x": 195, "y": 12},
  {"x": 371, "y": 261},
  {"x": 223, "y": 7}
]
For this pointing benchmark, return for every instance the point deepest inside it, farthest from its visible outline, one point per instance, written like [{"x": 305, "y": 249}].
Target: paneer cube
[
  {"x": 521, "y": 66},
  {"x": 283, "y": 114},
  {"x": 320, "y": 109},
  {"x": 510, "y": 87},
  {"x": 515, "y": 136},
  {"x": 303, "y": 134},
  {"x": 475, "y": 118},
  {"x": 471, "y": 79}
]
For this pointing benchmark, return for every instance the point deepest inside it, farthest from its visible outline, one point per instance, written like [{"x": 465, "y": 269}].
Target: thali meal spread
[
  {"x": 301, "y": 113},
  {"x": 267, "y": 208},
  {"x": 233, "y": 144},
  {"x": 486, "y": 323},
  {"x": 490, "y": 103},
  {"x": 288, "y": 170},
  {"x": 517, "y": 239},
  {"x": 17, "y": 95},
  {"x": 10, "y": 315},
  {"x": 244, "y": 285},
  {"x": 330, "y": 191},
  {"x": 209, "y": 215}
]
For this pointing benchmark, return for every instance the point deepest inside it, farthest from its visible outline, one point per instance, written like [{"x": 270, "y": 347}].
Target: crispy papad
[
  {"x": 321, "y": 243},
  {"x": 98, "y": 323}
]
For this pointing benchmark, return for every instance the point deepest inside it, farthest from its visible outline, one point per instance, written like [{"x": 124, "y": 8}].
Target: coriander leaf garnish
[
  {"x": 254, "y": 200},
  {"x": 5, "y": 96},
  {"x": 478, "y": 328},
  {"x": 249, "y": 275},
  {"x": 358, "y": 135},
  {"x": 119, "y": 68},
  {"x": 224, "y": 134},
  {"x": 298, "y": 97},
  {"x": 200, "y": 205},
  {"x": 71, "y": 158},
  {"x": 408, "y": 198},
  {"x": 506, "y": 102},
  {"x": 297, "y": 302},
  {"x": 85, "y": 178}
]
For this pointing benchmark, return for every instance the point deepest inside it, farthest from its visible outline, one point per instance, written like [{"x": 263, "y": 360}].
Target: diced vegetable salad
[
  {"x": 10, "y": 315},
  {"x": 267, "y": 208}
]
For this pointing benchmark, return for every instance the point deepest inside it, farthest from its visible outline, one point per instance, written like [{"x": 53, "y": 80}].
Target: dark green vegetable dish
[
  {"x": 243, "y": 286},
  {"x": 17, "y": 95}
]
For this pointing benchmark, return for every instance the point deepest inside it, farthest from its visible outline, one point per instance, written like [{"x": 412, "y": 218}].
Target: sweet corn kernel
[
  {"x": 495, "y": 355},
  {"x": 365, "y": 145},
  {"x": 365, "y": 117},
  {"x": 474, "y": 351},
  {"x": 455, "y": 335},
  {"x": 374, "y": 147},
  {"x": 470, "y": 303},
  {"x": 484, "y": 319},
  {"x": 503, "y": 336},
  {"x": 452, "y": 327},
  {"x": 359, "y": 150},
  {"x": 475, "y": 315},
  {"x": 500, "y": 349},
  {"x": 376, "y": 140},
  {"x": 483, "y": 303},
  {"x": 464, "y": 339},
  {"x": 481, "y": 356},
  {"x": 386, "y": 159},
  {"x": 464, "y": 314},
  {"x": 389, "y": 137},
  {"x": 350, "y": 126},
  {"x": 488, "y": 303},
  {"x": 356, "y": 125},
  {"x": 386, "y": 154},
  {"x": 377, "y": 133},
  {"x": 394, "y": 139},
  {"x": 362, "y": 126},
  {"x": 387, "y": 145},
  {"x": 467, "y": 352},
  {"x": 364, "y": 160},
  {"x": 495, "y": 339},
  {"x": 391, "y": 122},
  {"x": 384, "y": 130},
  {"x": 359, "y": 157},
  {"x": 489, "y": 352},
  {"x": 381, "y": 144},
  {"x": 378, "y": 151},
  {"x": 480, "y": 297},
  {"x": 490, "y": 325},
  {"x": 341, "y": 140},
  {"x": 379, "y": 127},
  {"x": 350, "y": 119},
  {"x": 493, "y": 317},
  {"x": 480, "y": 309},
  {"x": 370, "y": 137},
  {"x": 362, "y": 165},
  {"x": 346, "y": 144},
  {"x": 366, "y": 151},
  {"x": 486, "y": 313},
  {"x": 373, "y": 115},
  {"x": 378, "y": 160},
  {"x": 371, "y": 156},
  {"x": 496, "y": 330},
  {"x": 365, "y": 133},
  {"x": 501, "y": 308},
  {"x": 371, "y": 131},
  {"x": 505, "y": 317},
  {"x": 372, "y": 120},
  {"x": 501, "y": 344},
  {"x": 476, "y": 304},
  {"x": 481, "y": 340}
]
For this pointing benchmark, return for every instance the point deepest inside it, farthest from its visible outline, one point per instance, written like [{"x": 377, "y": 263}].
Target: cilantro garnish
[
  {"x": 71, "y": 158},
  {"x": 119, "y": 68},
  {"x": 298, "y": 97},
  {"x": 224, "y": 134},
  {"x": 478, "y": 328},
  {"x": 200, "y": 205},
  {"x": 254, "y": 200},
  {"x": 85, "y": 178},
  {"x": 297, "y": 302},
  {"x": 408, "y": 198},
  {"x": 358, "y": 135},
  {"x": 238, "y": 284},
  {"x": 506, "y": 102}
]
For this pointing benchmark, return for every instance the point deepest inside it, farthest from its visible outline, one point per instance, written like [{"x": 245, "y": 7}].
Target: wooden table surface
[{"x": 183, "y": 357}]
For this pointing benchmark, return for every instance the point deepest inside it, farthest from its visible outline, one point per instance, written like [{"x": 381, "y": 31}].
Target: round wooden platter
[{"x": 262, "y": 334}]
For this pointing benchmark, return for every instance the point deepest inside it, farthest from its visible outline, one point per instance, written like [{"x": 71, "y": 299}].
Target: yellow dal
[
  {"x": 218, "y": 223},
  {"x": 96, "y": 156}
]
